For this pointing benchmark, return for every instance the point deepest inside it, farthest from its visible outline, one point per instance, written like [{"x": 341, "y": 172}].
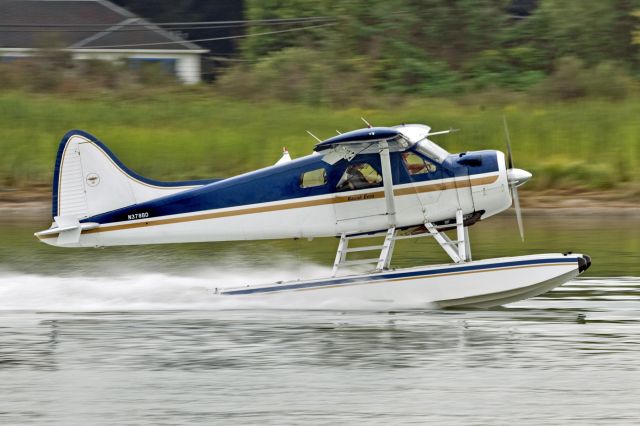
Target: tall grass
[{"x": 591, "y": 144}]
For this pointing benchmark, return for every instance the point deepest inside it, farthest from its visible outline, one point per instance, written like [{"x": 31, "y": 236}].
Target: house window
[
  {"x": 167, "y": 65},
  {"x": 317, "y": 177},
  {"x": 417, "y": 165},
  {"x": 358, "y": 176}
]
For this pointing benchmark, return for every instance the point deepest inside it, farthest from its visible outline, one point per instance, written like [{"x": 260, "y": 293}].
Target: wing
[{"x": 361, "y": 141}]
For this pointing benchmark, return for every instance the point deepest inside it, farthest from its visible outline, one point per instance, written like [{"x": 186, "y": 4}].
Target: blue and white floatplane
[{"x": 388, "y": 182}]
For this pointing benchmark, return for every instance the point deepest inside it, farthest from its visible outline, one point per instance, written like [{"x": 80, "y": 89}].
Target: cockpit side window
[
  {"x": 417, "y": 165},
  {"x": 359, "y": 176},
  {"x": 317, "y": 177},
  {"x": 431, "y": 150}
]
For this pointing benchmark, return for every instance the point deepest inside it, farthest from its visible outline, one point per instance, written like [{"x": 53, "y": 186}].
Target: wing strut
[{"x": 387, "y": 181}]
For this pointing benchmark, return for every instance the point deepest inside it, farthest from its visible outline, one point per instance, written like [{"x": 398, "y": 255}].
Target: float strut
[
  {"x": 341, "y": 254},
  {"x": 462, "y": 242}
]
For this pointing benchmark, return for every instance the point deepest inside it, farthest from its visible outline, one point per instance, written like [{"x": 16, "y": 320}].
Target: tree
[{"x": 593, "y": 31}]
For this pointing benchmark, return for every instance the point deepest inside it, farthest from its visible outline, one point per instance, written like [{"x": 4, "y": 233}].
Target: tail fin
[{"x": 89, "y": 180}]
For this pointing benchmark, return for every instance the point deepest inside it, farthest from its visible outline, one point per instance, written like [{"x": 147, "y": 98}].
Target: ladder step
[
  {"x": 365, "y": 248},
  {"x": 404, "y": 237},
  {"x": 374, "y": 235},
  {"x": 359, "y": 261}
]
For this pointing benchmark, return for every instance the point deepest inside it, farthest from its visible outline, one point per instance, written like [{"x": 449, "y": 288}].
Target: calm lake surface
[{"x": 133, "y": 335}]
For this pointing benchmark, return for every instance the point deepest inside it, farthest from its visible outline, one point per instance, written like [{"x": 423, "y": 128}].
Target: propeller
[{"x": 515, "y": 177}]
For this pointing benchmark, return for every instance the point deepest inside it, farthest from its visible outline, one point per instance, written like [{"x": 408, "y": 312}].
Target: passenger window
[
  {"x": 358, "y": 176},
  {"x": 417, "y": 165},
  {"x": 313, "y": 178}
]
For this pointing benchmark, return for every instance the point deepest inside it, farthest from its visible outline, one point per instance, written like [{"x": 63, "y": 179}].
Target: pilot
[
  {"x": 354, "y": 178},
  {"x": 414, "y": 167}
]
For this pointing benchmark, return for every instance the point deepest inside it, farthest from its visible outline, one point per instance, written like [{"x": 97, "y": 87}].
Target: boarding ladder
[{"x": 459, "y": 250}]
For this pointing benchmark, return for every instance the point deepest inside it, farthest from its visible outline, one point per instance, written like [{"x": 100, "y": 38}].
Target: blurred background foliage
[
  {"x": 566, "y": 73},
  {"x": 446, "y": 47},
  {"x": 360, "y": 49}
]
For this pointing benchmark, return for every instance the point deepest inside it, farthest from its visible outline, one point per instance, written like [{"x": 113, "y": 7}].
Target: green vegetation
[
  {"x": 564, "y": 72},
  {"x": 558, "y": 49},
  {"x": 188, "y": 133},
  {"x": 369, "y": 52}
]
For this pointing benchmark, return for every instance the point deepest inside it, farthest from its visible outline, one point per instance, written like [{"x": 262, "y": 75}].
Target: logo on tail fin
[{"x": 93, "y": 179}]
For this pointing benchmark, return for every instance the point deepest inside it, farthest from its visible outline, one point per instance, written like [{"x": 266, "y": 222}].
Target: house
[{"x": 94, "y": 29}]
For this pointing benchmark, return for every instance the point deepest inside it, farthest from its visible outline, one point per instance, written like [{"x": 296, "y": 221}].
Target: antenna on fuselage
[
  {"x": 338, "y": 132},
  {"x": 366, "y": 122},
  {"x": 285, "y": 156},
  {"x": 443, "y": 132},
  {"x": 314, "y": 136}
]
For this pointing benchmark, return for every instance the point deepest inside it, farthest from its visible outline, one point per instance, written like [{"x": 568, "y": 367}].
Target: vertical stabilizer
[{"x": 89, "y": 180}]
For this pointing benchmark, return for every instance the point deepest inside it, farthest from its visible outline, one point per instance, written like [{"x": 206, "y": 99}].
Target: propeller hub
[{"x": 517, "y": 177}]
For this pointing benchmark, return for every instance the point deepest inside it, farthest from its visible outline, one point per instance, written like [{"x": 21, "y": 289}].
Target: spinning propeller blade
[
  {"x": 516, "y": 177},
  {"x": 516, "y": 204},
  {"x": 508, "y": 139}
]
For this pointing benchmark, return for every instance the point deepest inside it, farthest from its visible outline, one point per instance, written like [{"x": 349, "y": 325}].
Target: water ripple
[{"x": 567, "y": 357}]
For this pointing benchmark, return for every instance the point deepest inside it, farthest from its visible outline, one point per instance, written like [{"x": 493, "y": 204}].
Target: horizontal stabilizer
[{"x": 68, "y": 229}]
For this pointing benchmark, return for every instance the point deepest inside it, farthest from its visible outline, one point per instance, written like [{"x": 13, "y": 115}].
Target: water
[{"x": 133, "y": 336}]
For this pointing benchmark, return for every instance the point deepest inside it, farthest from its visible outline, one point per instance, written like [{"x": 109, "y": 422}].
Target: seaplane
[{"x": 384, "y": 183}]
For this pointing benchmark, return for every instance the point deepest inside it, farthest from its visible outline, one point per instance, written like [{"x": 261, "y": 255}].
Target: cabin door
[{"x": 359, "y": 202}]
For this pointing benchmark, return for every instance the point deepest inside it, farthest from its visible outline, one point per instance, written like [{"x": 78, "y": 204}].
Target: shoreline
[{"x": 35, "y": 203}]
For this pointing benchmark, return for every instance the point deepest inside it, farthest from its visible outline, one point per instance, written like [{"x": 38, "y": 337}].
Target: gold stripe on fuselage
[{"x": 431, "y": 187}]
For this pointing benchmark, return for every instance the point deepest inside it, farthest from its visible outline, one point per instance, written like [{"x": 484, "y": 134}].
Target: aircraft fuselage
[{"x": 308, "y": 198}]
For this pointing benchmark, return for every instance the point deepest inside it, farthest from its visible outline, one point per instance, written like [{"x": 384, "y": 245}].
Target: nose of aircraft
[{"x": 518, "y": 177}]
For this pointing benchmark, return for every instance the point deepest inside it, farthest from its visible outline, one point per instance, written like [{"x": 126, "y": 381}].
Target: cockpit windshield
[{"x": 431, "y": 150}]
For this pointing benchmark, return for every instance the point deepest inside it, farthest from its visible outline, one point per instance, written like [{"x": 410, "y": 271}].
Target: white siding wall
[{"x": 188, "y": 68}]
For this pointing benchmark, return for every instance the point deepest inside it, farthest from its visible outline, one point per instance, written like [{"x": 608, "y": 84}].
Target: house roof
[{"x": 81, "y": 24}]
